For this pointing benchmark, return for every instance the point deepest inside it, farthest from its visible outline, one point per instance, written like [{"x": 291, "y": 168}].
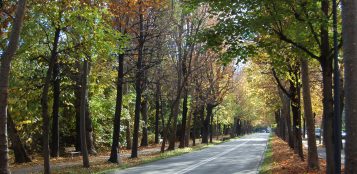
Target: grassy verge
[
  {"x": 104, "y": 167},
  {"x": 265, "y": 168}
]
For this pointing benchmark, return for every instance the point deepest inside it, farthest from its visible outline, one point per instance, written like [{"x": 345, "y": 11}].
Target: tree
[
  {"x": 6, "y": 59},
  {"x": 313, "y": 162},
  {"x": 349, "y": 21}
]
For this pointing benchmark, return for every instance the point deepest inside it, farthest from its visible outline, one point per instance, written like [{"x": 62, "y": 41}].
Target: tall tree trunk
[
  {"x": 44, "y": 103},
  {"x": 21, "y": 155},
  {"x": 211, "y": 129},
  {"x": 6, "y": 59},
  {"x": 83, "y": 116},
  {"x": 312, "y": 160},
  {"x": 157, "y": 111},
  {"x": 55, "y": 109},
  {"x": 194, "y": 127},
  {"x": 184, "y": 118},
  {"x": 128, "y": 134},
  {"x": 114, "y": 154},
  {"x": 206, "y": 123},
  {"x": 144, "y": 113},
  {"x": 89, "y": 124},
  {"x": 326, "y": 65},
  {"x": 138, "y": 90},
  {"x": 304, "y": 126},
  {"x": 349, "y": 20},
  {"x": 77, "y": 105},
  {"x": 181, "y": 61},
  {"x": 188, "y": 129},
  {"x": 295, "y": 105},
  {"x": 288, "y": 121}
]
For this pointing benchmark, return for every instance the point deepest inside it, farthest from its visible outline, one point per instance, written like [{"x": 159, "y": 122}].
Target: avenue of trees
[
  {"x": 109, "y": 74},
  {"x": 104, "y": 75}
]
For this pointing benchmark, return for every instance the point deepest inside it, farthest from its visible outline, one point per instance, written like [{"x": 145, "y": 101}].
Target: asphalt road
[{"x": 242, "y": 155}]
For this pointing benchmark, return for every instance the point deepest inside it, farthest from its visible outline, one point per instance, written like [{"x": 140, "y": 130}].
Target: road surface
[{"x": 238, "y": 156}]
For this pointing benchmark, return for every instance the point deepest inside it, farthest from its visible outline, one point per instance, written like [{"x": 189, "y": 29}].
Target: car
[
  {"x": 343, "y": 134},
  {"x": 318, "y": 133}
]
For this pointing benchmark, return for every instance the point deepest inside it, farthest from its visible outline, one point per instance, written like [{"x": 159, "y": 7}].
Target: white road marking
[{"x": 208, "y": 160}]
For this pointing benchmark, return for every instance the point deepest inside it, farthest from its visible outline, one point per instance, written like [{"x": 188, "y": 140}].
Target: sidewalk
[{"x": 322, "y": 152}]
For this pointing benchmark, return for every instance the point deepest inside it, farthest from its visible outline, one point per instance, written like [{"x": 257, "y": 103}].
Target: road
[{"x": 243, "y": 155}]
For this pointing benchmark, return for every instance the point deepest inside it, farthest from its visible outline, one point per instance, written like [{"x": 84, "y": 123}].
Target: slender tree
[
  {"x": 312, "y": 160},
  {"x": 138, "y": 81},
  {"x": 5, "y": 66},
  {"x": 349, "y": 25},
  {"x": 83, "y": 130},
  {"x": 114, "y": 154}
]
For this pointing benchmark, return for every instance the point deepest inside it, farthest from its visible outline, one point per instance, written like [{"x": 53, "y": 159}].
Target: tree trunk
[
  {"x": 157, "y": 112},
  {"x": 128, "y": 134},
  {"x": 44, "y": 103},
  {"x": 21, "y": 155},
  {"x": 184, "y": 118},
  {"x": 312, "y": 160},
  {"x": 206, "y": 123},
  {"x": 326, "y": 65},
  {"x": 55, "y": 109},
  {"x": 211, "y": 129},
  {"x": 349, "y": 20},
  {"x": 138, "y": 90},
  {"x": 194, "y": 129},
  {"x": 188, "y": 129},
  {"x": 77, "y": 105},
  {"x": 83, "y": 116},
  {"x": 89, "y": 125},
  {"x": 144, "y": 113},
  {"x": 5, "y": 65},
  {"x": 114, "y": 154},
  {"x": 295, "y": 105}
]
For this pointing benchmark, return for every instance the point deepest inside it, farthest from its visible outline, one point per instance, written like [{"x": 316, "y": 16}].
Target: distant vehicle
[
  {"x": 343, "y": 134},
  {"x": 318, "y": 133}
]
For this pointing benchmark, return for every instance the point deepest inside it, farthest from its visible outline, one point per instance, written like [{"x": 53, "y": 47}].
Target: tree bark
[
  {"x": 194, "y": 129},
  {"x": 89, "y": 125},
  {"x": 184, "y": 118},
  {"x": 138, "y": 90},
  {"x": 188, "y": 129},
  {"x": 295, "y": 105},
  {"x": 77, "y": 105},
  {"x": 326, "y": 65},
  {"x": 83, "y": 114},
  {"x": 312, "y": 160},
  {"x": 44, "y": 103},
  {"x": 157, "y": 111},
  {"x": 128, "y": 134},
  {"x": 6, "y": 59},
  {"x": 21, "y": 155},
  {"x": 206, "y": 123},
  {"x": 55, "y": 109},
  {"x": 114, "y": 154},
  {"x": 349, "y": 21},
  {"x": 144, "y": 113}
]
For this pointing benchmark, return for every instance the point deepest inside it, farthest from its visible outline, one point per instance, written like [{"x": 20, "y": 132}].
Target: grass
[
  {"x": 266, "y": 166},
  {"x": 104, "y": 167}
]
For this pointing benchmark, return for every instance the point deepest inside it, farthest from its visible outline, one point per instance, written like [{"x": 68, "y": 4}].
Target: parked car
[
  {"x": 343, "y": 134},
  {"x": 318, "y": 133}
]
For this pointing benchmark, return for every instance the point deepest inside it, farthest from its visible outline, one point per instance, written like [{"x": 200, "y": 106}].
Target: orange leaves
[
  {"x": 285, "y": 161},
  {"x": 126, "y": 12}
]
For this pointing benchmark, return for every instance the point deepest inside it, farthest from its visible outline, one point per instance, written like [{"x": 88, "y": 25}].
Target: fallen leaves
[{"x": 285, "y": 161}]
